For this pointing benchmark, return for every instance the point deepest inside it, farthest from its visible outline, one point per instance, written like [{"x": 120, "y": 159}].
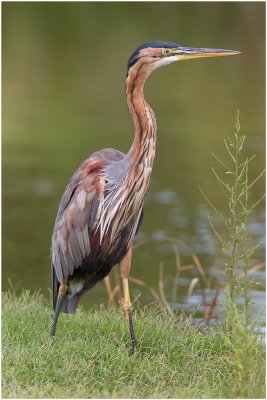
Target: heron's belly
[{"x": 103, "y": 257}]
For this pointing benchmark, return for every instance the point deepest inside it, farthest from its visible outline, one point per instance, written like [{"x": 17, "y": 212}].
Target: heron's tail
[{"x": 72, "y": 304}]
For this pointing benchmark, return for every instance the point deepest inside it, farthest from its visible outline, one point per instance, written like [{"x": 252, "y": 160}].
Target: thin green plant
[
  {"x": 238, "y": 246},
  {"x": 237, "y": 243}
]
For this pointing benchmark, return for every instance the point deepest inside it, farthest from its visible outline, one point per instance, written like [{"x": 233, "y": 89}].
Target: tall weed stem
[{"x": 237, "y": 242}]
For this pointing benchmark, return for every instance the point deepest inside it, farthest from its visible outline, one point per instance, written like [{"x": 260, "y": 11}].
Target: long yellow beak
[{"x": 186, "y": 53}]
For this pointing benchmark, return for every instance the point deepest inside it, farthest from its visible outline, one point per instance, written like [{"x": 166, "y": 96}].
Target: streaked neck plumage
[
  {"x": 143, "y": 148},
  {"x": 128, "y": 179}
]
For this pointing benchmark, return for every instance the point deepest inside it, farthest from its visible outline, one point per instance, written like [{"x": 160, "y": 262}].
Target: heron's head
[{"x": 152, "y": 55}]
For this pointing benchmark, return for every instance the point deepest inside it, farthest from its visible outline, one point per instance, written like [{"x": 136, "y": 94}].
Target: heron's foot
[
  {"x": 132, "y": 334},
  {"x": 53, "y": 329},
  {"x": 128, "y": 312},
  {"x": 51, "y": 338}
]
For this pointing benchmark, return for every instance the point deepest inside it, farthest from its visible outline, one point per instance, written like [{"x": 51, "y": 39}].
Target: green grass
[{"x": 91, "y": 357}]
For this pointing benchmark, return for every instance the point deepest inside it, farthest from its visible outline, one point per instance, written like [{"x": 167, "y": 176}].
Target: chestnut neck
[{"x": 143, "y": 116}]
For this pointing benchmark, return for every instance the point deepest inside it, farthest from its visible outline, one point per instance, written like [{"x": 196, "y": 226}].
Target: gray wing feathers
[
  {"x": 70, "y": 241},
  {"x": 93, "y": 211}
]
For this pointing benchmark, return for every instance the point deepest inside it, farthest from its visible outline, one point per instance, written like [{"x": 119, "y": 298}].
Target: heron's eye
[{"x": 166, "y": 51}]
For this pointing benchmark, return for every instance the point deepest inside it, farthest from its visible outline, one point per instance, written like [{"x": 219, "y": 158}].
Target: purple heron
[{"x": 101, "y": 210}]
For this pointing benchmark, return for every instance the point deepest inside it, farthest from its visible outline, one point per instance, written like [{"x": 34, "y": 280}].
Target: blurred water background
[{"x": 63, "y": 97}]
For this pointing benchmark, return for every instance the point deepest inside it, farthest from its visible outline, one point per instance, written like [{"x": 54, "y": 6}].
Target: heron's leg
[
  {"x": 125, "y": 266},
  {"x": 62, "y": 291}
]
